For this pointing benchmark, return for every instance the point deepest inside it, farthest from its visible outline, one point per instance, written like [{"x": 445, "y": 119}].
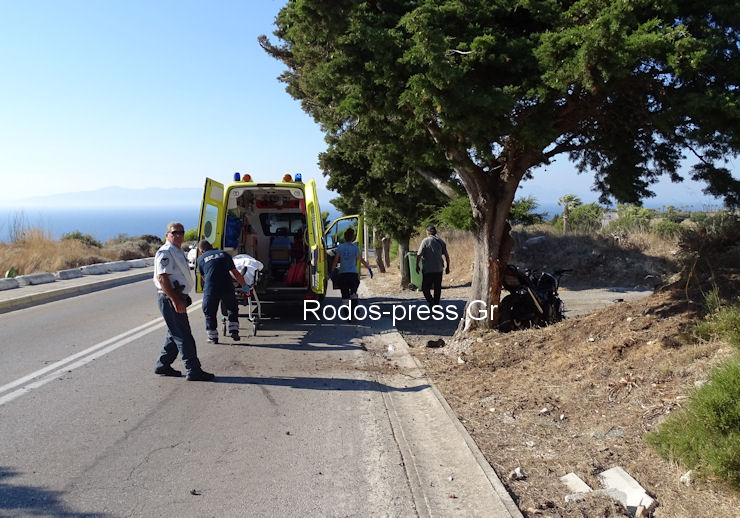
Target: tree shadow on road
[
  {"x": 307, "y": 383},
  {"x": 27, "y": 500}
]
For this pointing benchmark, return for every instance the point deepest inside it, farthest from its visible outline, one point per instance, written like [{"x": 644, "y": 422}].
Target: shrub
[
  {"x": 586, "y": 218},
  {"x": 583, "y": 219},
  {"x": 192, "y": 234},
  {"x": 87, "y": 239},
  {"x": 457, "y": 214},
  {"x": 631, "y": 218},
  {"x": 673, "y": 215},
  {"x": 722, "y": 321},
  {"x": 705, "y": 435},
  {"x": 667, "y": 229},
  {"x": 523, "y": 212}
]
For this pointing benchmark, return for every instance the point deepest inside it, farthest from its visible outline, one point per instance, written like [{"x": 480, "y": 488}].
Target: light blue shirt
[{"x": 348, "y": 253}]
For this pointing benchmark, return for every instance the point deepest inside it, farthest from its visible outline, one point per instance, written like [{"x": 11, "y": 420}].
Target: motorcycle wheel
[
  {"x": 555, "y": 311},
  {"x": 507, "y": 314}
]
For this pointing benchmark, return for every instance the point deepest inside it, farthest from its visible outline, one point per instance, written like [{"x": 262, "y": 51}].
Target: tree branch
[{"x": 439, "y": 184}]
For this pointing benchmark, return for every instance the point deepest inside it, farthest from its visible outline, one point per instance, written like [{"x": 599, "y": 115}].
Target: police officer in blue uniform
[
  {"x": 217, "y": 270},
  {"x": 174, "y": 282}
]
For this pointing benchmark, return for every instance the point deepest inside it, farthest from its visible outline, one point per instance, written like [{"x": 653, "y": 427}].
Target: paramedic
[
  {"x": 174, "y": 282},
  {"x": 217, "y": 269},
  {"x": 431, "y": 251},
  {"x": 347, "y": 256}
]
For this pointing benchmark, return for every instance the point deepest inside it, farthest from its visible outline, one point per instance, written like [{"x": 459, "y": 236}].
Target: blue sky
[{"x": 162, "y": 94}]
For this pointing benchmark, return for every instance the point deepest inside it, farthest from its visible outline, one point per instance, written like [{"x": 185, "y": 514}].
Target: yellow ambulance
[{"x": 279, "y": 224}]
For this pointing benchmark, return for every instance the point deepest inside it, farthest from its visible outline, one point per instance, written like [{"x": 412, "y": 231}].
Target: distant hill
[{"x": 117, "y": 197}]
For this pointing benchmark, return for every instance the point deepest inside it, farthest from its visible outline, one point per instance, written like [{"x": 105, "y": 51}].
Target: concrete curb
[
  {"x": 8, "y": 284},
  {"x": 493, "y": 479},
  {"x": 34, "y": 278},
  {"x": 17, "y": 298},
  {"x": 64, "y": 275}
]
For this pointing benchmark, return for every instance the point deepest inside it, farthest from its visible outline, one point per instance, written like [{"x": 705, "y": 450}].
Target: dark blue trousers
[
  {"x": 179, "y": 337},
  {"x": 210, "y": 309}
]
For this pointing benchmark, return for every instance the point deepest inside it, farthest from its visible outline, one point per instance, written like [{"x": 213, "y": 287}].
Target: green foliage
[
  {"x": 699, "y": 217},
  {"x": 631, "y": 219},
  {"x": 706, "y": 433},
  {"x": 13, "y": 272},
  {"x": 569, "y": 202},
  {"x": 722, "y": 321},
  {"x": 457, "y": 214},
  {"x": 623, "y": 87},
  {"x": 87, "y": 239},
  {"x": 585, "y": 218},
  {"x": 674, "y": 215},
  {"x": 488, "y": 91},
  {"x": 190, "y": 235},
  {"x": 667, "y": 229},
  {"x": 522, "y": 212}
]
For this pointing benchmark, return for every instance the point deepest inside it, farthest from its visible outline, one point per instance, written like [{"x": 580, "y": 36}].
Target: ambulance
[{"x": 279, "y": 224}]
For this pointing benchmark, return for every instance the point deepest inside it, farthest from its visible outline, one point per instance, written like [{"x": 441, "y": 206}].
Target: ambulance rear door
[
  {"x": 212, "y": 219},
  {"x": 334, "y": 235},
  {"x": 315, "y": 231}
]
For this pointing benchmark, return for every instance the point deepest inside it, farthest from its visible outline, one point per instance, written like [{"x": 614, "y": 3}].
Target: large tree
[
  {"x": 392, "y": 199},
  {"x": 625, "y": 88}
]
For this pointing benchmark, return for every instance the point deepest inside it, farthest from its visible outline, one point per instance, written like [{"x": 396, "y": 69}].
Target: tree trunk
[
  {"x": 387, "y": 250},
  {"x": 492, "y": 242},
  {"x": 403, "y": 248},
  {"x": 379, "y": 259},
  {"x": 377, "y": 245},
  {"x": 491, "y": 192}
]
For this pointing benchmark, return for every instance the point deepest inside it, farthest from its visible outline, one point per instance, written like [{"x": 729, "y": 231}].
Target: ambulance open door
[
  {"x": 334, "y": 235},
  {"x": 211, "y": 220},
  {"x": 315, "y": 231}
]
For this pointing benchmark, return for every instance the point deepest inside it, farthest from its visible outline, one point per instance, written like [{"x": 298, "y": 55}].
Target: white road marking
[{"x": 68, "y": 364}]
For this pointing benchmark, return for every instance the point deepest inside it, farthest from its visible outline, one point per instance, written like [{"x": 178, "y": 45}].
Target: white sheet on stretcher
[{"x": 248, "y": 265}]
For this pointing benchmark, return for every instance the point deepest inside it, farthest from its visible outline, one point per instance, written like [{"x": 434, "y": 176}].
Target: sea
[{"x": 102, "y": 223}]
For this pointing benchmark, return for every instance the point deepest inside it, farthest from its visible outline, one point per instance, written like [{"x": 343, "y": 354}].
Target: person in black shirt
[{"x": 217, "y": 270}]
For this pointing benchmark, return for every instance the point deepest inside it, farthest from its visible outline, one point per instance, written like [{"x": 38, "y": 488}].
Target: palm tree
[{"x": 568, "y": 202}]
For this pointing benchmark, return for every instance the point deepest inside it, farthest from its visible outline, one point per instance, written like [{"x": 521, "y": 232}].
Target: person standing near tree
[
  {"x": 431, "y": 251},
  {"x": 173, "y": 281},
  {"x": 217, "y": 270}
]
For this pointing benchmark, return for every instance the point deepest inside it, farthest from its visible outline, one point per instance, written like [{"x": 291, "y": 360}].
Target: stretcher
[{"x": 251, "y": 270}]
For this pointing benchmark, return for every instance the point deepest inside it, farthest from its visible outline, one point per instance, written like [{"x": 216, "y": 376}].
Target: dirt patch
[{"x": 574, "y": 397}]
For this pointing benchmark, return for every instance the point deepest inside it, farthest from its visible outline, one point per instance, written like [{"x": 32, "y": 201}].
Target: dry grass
[
  {"x": 37, "y": 252},
  {"x": 605, "y": 378},
  {"x": 640, "y": 259}
]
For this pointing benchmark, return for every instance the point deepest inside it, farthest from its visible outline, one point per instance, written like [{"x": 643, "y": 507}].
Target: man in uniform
[
  {"x": 430, "y": 254},
  {"x": 174, "y": 282},
  {"x": 217, "y": 270}
]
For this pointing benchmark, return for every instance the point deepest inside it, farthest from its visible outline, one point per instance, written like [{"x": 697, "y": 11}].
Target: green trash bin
[{"x": 416, "y": 278}]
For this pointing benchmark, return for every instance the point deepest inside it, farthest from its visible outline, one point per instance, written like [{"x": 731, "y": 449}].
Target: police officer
[
  {"x": 217, "y": 269},
  {"x": 174, "y": 282}
]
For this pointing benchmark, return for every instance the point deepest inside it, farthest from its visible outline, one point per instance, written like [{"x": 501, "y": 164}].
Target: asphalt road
[{"x": 306, "y": 419}]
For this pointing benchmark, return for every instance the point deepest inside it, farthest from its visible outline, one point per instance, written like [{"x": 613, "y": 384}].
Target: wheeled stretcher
[{"x": 251, "y": 270}]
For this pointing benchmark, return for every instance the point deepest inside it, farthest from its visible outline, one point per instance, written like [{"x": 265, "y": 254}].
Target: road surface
[{"x": 308, "y": 418}]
